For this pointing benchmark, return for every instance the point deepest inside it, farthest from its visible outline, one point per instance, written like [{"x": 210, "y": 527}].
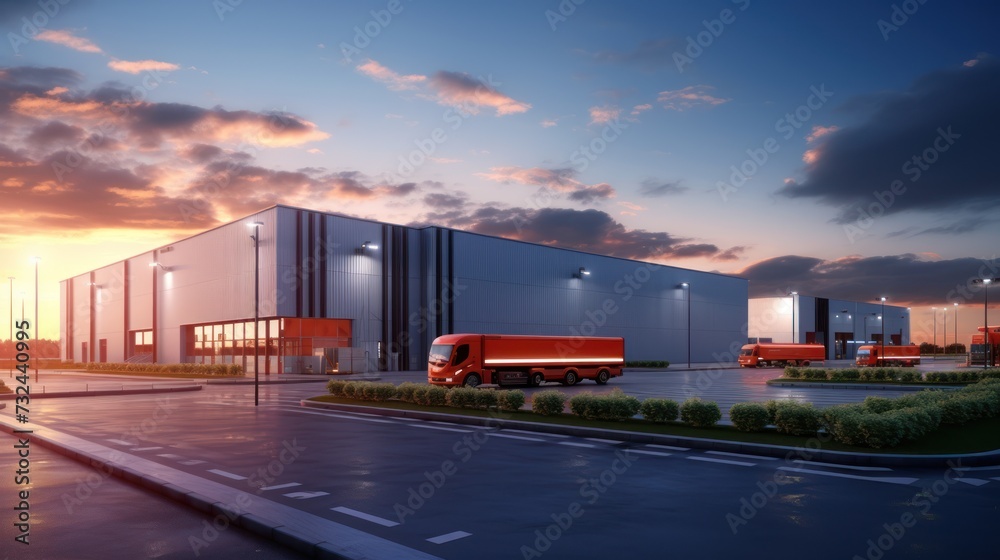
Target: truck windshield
[
  {"x": 864, "y": 353},
  {"x": 746, "y": 352},
  {"x": 440, "y": 353}
]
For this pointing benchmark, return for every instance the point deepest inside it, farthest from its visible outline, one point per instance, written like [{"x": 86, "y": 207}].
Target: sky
[{"x": 838, "y": 149}]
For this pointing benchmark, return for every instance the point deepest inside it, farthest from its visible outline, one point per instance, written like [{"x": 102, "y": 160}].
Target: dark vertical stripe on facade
[
  {"x": 436, "y": 305},
  {"x": 298, "y": 263},
  {"x": 156, "y": 334},
  {"x": 70, "y": 314},
  {"x": 449, "y": 298},
  {"x": 310, "y": 266},
  {"x": 93, "y": 317},
  {"x": 823, "y": 322},
  {"x": 322, "y": 263},
  {"x": 127, "y": 299},
  {"x": 404, "y": 305},
  {"x": 384, "y": 273}
]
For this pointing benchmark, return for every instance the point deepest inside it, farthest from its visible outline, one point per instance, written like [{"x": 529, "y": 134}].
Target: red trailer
[
  {"x": 781, "y": 355},
  {"x": 472, "y": 359},
  {"x": 987, "y": 352}
]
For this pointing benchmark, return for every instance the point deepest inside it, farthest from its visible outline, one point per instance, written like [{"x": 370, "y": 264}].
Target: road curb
[
  {"x": 987, "y": 458},
  {"x": 67, "y": 394},
  {"x": 860, "y": 386}
]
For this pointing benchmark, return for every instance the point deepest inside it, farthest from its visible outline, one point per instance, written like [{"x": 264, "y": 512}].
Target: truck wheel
[
  {"x": 602, "y": 377},
  {"x": 570, "y": 378},
  {"x": 805, "y": 362},
  {"x": 472, "y": 380},
  {"x": 536, "y": 379}
]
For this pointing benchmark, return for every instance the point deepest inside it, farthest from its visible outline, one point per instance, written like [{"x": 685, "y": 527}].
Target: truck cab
[{"x": 454, "y": 360}]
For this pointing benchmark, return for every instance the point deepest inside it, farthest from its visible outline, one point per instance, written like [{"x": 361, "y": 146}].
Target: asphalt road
[{"x": 458, "y": 492}]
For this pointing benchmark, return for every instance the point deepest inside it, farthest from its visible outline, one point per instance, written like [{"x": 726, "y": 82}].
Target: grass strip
[{"x": 982, "y": 435}]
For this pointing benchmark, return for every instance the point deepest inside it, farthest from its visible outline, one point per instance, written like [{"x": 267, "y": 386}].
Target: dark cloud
[
  {"x": 202, "y": 153},
  {"x": 654, "y": 188},
  {"x": 937, "y": 139},
  {"x": 590, "y": 230},
  {"x": 446, "y": 201},
  {"x": 904, "y": 279},
  {"x": 588, "y": 195},
  {"x": 54, "y": 132}
]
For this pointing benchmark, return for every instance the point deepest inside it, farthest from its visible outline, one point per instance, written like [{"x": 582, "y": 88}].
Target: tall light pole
[
  {"x": 944, "y": 331},
  {"x": 956, "y": 326},
  {"x": 687, "y": 288},
  {"x": 255, "y": 236},
  {"x": 882, "y": 342},
  {"x": 792, "y": 296},
  {"x": 34, "y": 326},
  {"x": 934, "y": 338}
]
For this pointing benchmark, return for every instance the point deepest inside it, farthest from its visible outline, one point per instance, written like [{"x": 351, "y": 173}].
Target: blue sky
[{"x": 315, "y": 104}]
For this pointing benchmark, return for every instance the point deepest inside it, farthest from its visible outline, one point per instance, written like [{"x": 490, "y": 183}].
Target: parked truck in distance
[
  {"x": 473, "y": 359},
  {"x": 766, "y": 354},
  {"x": 906, "y": 356},
  {"x": 985, "y": 349}
]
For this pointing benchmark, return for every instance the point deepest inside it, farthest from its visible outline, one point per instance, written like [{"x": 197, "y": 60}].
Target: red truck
[
  {"x": 781, "y": 355},
  {"x": 980, "y": 352},
  {"x": 473, "y": 359},
  {"x": 906, "y": 356}
]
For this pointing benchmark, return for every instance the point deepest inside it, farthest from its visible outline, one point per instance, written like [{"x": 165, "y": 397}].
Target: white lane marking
[
  {"x": 509, "y": 436},
  {"x": 978, "y": 468},
  {"x": 656, "y": 453},
  {"x": 973, "y": 481},
  {"x": 575, "y": 444},
  {"x": 305, "y": 495},
  {"x": 453, "y": 536},
  {"x": 885, "y": 479},
  {"x": 469, "y": 426},
  {"x": 995, "y": 478},
  {"x": 723, "y": 461},
  {"x": 426, "y": 427},
  {"x": 836, "y": 466},
  {"x": 192, "y": 462},
  {"x": 340, "y": 416},
  {"x": 146, "y": 448},
  {"x": 745, "y": 456},
  {"x": 227, "y": 474},
  {"x": 534, "y": 433},
  {"x": 670, "y": 447},
  {"x": 405, "y": 419},
  {"x": 120, "y": 442},
  {"x": 365, "y": 516},
  {"x": 599, "y": 440},
  {"x": 280, "y": 486},
  {"x": 169, "y": 456}
]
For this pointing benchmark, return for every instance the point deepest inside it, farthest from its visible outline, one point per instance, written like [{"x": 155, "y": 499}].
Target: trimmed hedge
[
  {"x": 548, "y": 403},
  {"x": 616, "y": 406},
  {"x": 648, "y": 363},
  {"x": 749, "y": 416},
  {"x": 795, "y": 418},
  {"x": 197, "y": 369},
  {"x": 699, "y": 413},
  {"x": 897, "y": 374},
  {"x": 659, "y": 410}
]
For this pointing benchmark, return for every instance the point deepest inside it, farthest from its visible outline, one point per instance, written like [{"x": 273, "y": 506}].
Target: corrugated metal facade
[{"x": 416, "y": 285}]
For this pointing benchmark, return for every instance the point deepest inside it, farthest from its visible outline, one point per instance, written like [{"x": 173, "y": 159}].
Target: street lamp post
[
  {"x": 882, "y": 342},
  {"x": 687, "y": 288},
  {"x": 934, "y": 338},
  {"x": 255, "y": 236},
  {"x": 956, "y": 326},
  {"x": 34, "y": 326},
  {"x": 13, "y": 346},
  {"x": 944, "y": 331},
  {"x": 793, "y": 294},
  {"x": 987, "y": 359}
]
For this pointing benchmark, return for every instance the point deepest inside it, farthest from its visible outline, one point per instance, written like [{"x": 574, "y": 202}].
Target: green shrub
[
  {"x": 376, "y": 392},
  {"x": 510, "y": 399},
  {"x": 878, "y": 405},
  {"x": 436, "y": 396},
  {"x": 485, "y": 398},
  {"x": 659, "y": 410},
  {"x": 549, "y": 402},
  {"x": 815, "y": 373},
  {"x": 580, "y": 403},
  {"x": 772, "y": 409},
  {"x": 336, "y": 387},
  {"x": 648, "y": 363},
  {"x": 462, "y": 397},
  {"x": 419, "y": 394},
  {"x": 404, "y": 391},
  {"x": 351, "y": 388},
  {"x": 749, "y": 416},
  {"x": 798, "y": 419},
  {"x": 881, "y": 430},
  {"x": 793, "y": 373},
  {"x": 843, "y": 423},
  {"x": 620, "y": 406},
  {"x": 909, "y": 376},
  {"x": 699, "y": 413},
  {"x": 847, "y": 374}
]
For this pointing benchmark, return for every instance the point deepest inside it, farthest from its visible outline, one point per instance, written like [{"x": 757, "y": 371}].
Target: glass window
[
  {"x": 439, "y": 353},
  {"x": 461, "y": 354}
]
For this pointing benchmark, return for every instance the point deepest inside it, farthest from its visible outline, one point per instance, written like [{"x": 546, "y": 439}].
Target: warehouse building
[
  {"x": 841, "y": 326},
  {"x": 345, "y": 294}
]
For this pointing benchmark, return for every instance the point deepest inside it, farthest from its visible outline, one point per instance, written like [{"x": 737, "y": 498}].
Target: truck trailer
[
  {"x": 766, "y": 354},
  {"x": 500, "y": 359},
  {"x": 906, "y": 356},
  {"x": 987, "y": 352}
]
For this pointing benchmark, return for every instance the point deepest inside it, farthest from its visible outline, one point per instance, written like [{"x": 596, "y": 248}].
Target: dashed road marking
[
  {"x": 973, "y": 481},
  {"x": 886, "y": 479},
  {"x": 723, "y": 461},
  {"x": 656, "y": 453},
  {"x": 670, "y": 447},
  {"x": 510, "y": 436},
  {"x": 453, "y": 536},
  {"x": 836, "y": 466},
  {"x": 442, "y": 428},
  {"x": 365, "y": 516},
  {"x": 280, "y": 486},
  {"x": 192, "y": 462},
  {"x": 345, "y": 417},
  {"x": 599, "y": 440},
  {"x": 146, "y": 448},
  {"x": 745, "y": 456},
  {"x": 534, "y": 433},
  {"x": 173, "y": 456},
  {"x": 121, "y": 442},
  {"x": 227, "y": 474},
  {"x": 305, "y": 495}
]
